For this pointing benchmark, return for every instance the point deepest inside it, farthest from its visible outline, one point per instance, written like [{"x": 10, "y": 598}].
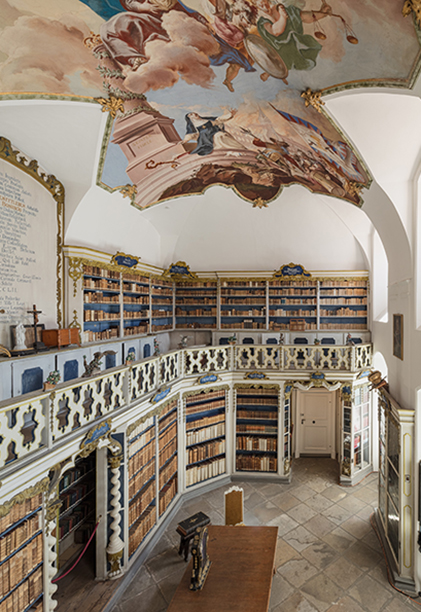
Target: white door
[{"x": 316, "y": 423}]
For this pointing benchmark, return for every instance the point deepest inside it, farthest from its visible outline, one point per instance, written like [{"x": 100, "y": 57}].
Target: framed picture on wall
[{"x": 398, "y": 336}]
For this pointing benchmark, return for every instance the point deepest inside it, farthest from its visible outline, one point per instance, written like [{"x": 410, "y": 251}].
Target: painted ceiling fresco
[{"x": 205, "y": 92}]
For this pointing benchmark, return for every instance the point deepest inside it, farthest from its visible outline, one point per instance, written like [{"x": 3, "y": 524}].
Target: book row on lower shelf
[
  {"x": 206, "y": 451},
  {"x": 19, "y": 511},
  {"x": 16, "y": 537},
  {"x": 19, "y": 565},
  {"x": 139, "y": 530},
  {"x": 257, "y": 444},
  {"x": 24, "y": 595},
  {"x": 167, "y": 495},
  {"x": 204, "y": 471},
  {"x": 256, "y": 463},
  {"x": 141, "y": 502}
]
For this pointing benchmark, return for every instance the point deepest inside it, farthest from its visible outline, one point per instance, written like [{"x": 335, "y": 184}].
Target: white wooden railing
[{"x": 38, "y": 420}]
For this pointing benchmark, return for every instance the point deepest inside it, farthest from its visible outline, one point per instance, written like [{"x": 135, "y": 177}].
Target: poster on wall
[{"x": 30, "y": 244}]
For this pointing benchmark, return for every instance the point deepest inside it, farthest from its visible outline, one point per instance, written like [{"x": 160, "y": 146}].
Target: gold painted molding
[
  {"x": 179, "y": 277},
  {"x": 88, "y": 445},
  {"x": 255, "y": 386},
  {"x": 56, "y": 189},
  {"x": 40, "y": 487},
  {"x": 151, "y": 413},
  {"x": 205, "y": 391}
]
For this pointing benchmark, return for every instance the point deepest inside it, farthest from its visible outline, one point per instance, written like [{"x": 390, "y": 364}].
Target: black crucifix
[{"x": 34, "y": 312}]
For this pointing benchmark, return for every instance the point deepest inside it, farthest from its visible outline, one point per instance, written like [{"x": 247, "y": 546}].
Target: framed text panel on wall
[{"x": 31, "y": 231}]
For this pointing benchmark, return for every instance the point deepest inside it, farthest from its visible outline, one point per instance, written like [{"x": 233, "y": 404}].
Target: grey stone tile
[
  {"x": 320, "y": 525},
  {"x": 151, "y": 600},
  {"x": 270, "y": 490},
  {"x": 266, "y": 512},
  {"x": 284, "y": 553},
  {"x": 336, "y": 514},
  {"x": 303, "y": 492},
  {"x": 302, "y": 513},
  {"x": 352, "y": 504},
  {"x": 285, "y": 501},
  {"x": 280, "y": 590},
  {"x": 295, "y": 603},
  {"x": 363, "y": 556},
  {"x": 144, "y": 581},
  {"x": 165, "y": 564},
  {"x": 357, "y": 527},
  {"x": 253, "y": 500},
  {"x": 343, "y": 572},
  {"x": 319, "y": 503},
  {"x": 339, "y": 539},
  {"x": 300, "y": 538},
  {"x": 346, "y": 604},
  {"x": 298, "y": 571},
  {"x": 320, "y": 554},
  {"x": 367, "y": 495},
  {"x": 370, "y": 594},
  {"x": 284, "y": 523},
  {"x": 335, "y": 493},
  {"x": 322, "y": 592}
]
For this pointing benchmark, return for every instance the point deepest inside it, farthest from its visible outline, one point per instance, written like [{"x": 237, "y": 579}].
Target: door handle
[{"x": 302, "y": 421}]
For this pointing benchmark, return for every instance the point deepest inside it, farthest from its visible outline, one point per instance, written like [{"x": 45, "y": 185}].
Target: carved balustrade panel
[
  {"x": 144, "y": 378},
  {"x": 257, "y": 357},
  {"x": 22, "y": 426},
  {"x": 169, "y": 367},
  {"x": 82, "y": 403},
  {"x": 363, "y": 356},
  {"x": 303, "y": 357},
  {"x": 200, "y": 361}
]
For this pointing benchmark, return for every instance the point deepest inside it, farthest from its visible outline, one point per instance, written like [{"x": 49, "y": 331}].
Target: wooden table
[{"x": 240, "y": 576}]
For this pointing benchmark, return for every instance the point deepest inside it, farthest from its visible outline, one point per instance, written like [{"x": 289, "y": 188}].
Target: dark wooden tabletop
[{"x": 240, "y": 576}]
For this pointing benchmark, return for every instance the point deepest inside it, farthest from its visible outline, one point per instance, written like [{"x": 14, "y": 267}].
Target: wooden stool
[{"x": 187, "y": 529}]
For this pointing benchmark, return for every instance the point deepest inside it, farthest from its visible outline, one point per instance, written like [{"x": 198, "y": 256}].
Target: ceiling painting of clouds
[{"x": 207, "y": 92}]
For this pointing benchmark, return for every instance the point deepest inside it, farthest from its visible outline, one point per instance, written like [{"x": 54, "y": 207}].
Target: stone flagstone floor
[{"x": 328, "y": 557}]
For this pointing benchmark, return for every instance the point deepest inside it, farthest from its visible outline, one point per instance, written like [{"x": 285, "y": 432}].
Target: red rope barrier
[{"x": 81, "y": 554}]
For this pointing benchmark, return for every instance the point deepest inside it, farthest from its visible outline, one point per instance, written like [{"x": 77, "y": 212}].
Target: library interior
[{"x": 210, "y": 298}]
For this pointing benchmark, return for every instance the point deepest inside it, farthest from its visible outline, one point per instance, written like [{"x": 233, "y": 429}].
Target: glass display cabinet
[{"x": 356, "y": 457}]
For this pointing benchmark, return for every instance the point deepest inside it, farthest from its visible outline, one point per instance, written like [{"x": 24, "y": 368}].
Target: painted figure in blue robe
[{"x": 209, "y": 132}]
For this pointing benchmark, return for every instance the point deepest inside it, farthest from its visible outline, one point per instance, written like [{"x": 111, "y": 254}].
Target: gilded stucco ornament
[
  {"x": 92, "y": 41},
  {"x": 313, "y": 98},
  {"x": 40, "y": 487},
  {"x": 412, "y": 6},
  {"x": 94, "y": 437},
  {"x": 179, "y": 272},
  {"x": 75, "y": 271},
  {"x": 260, "y": 203},
  {"x": 354, "y": 188},
  {"x": 75, "y": 323},
  {"x": 128, "y": 191},
  {"x": 112, "y": 105}
]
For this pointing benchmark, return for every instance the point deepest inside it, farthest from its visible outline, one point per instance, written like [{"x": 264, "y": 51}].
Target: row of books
[
  {"x": 245, "y": 301},
  {"x": 361, "y": 394},
  {"x": 166, "y": 420},
  {"x": 297, "y": 283},
  {"x": 69, "y": 522},
  {"x": 186, "y": 284},
  {"x": 257, "y": 414},
  {"x": 280, "y": 312},
  {"x": 195, "y": 325},
  {"x": 141, "y": 458},
  {"x": 255, "y": 391},
  {"x": 135, "y": 288},
  {"x": 140, "y": 503},
  {"x": 350, "y": 326},
  {"x": 136, "y": 314},
  {"x": 244, "y": 325},
  {"x": 261, "y": 399},
  {"x": 131, "y": 299},
  {"x": 24, "y": 595},
  {"x": 75, "y": 474},
  {"x": 100, "y": 315},
  {"x": 19, "y": 511},
  {"x": 15, "y": 538},
  {"x": 19, "y": 565},
  {"x": 98, "y": 297},
  {"x": 293, "y": 291},
  {"x": 157, "y": 328},
  {"x": 344, "y": 283},
  {"x": 255, "y": 428},
  {"x": 205, "y": 407},
  {"x": 168, "y": 471},
  {"x": 97, "y": 271},
  {"x": 167, "y": 452},
  {"x": 256, "y": 463},
  {"x": 306, "y": 301},
  {"x": 106, "y": 334},
  {"x": 206, "y": 451},
  {"x": 136, "y": 329},
  {"x": 343, "y": 312},
  {"x": 253, "y": 312},
  {"x": 275, "y": 326},
  {"x": 160, "y": 312},
  {"x": 73, "y": 495},
  {"x": 207, "y": 421},
  {"x": 140, "y": 529},
  {"x": 166, "y": 495},
  {"x": 137, "y": 278},
  {"x": 350, "y": 301},
  {"x": 255, "y": 443},
  {"x": 207, "y": 433},
  {"x": 243, "y": 283},
  {"x": 101, "y": 283},
  {"x": 197, "y": 312},
  {"x": 201, "y": 472},
  {"x": 168, "y": 434},
  {"x": 341, "y": 291},
  {"x": 142, "y": 477},
  {"x": 180, "y": 300},
  {"x": 144, "y": 438}
]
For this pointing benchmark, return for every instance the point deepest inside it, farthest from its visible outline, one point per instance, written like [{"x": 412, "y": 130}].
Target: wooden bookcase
[
  {"x": 291, "y": 301},
  {"x": 343, "y": 304},
  {"x": 205, "y": 435},
  {"x": 21, "y": 557},
  {"x": 76, "y": 517},
  {"x": 167, "y": 453},
  {"x": 101, "y": 303},
  {"x": 161, "y": 305},
  {"x": 196, "y": 305},
  {"x": 243, "y": 305},
  {"x": 136, "y": 306},
  {"x": 142, "y": 482},
  {"x": 256, "y": 429}
]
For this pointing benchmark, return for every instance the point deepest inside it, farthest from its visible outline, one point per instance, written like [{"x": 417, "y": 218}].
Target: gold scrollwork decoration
[
  {"x": 130, "y": 429},
  {"x": 40, "y": 487},
  {"x": 75, "y": 271},
  {"x": 56, "y": 189},
  {"x": 128, "y": 191},
  {"x": 75, "y": 323},
  {"x": 114, "y": 560},
  {"x": 287, "y": 466},
  {"x": 254, "y": 386},
  {"x": 112, "y": 105},
  {"x": 52, "y": 509},
  {"x": 353, "y": 187},
  {"x": 100, "y": 432},
  {"x": 313, "y": 98},
  {"x": 92, "y": 41},
  {"x": 256, "y": 375},
  {"x": 289, "y": 384},
  {"x": 179, "y": 272},
  {"x": 5, "y": 351},
  {"x": 412, "y": 6},
  {"x": 346, "y": 467},
  {"x": 259, "y": 203},
  {"x": 205, "y": 391},
  {"x": 282, "y": 275}
]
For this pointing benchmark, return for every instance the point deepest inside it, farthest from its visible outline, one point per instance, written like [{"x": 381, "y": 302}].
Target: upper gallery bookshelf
[
  {"x": 161, "y": 305},
  {"x": 196, "y": 305},
  {"x": 293, "y": 302},
  {"x": 243, "y": 304},
  {"x": 343, "y": 304}
]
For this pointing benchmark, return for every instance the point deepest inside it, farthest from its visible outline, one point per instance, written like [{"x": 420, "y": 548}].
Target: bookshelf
[
  {"x": 76, "y": 517},
  {"x": 243, "y": 304},
  {"x": 136, "y": 307},
  {"x": 142, "y": 482},
  {"x": 167, "y": 452},
  {"x": 161, "y": 305},
  {"x": 21, "y": 557},
  {"x": 293, "y": 302},
  {"x": 196, "y": 305},
  {"x": 205, "y": 435},
  {"x": 101, "y": 303},
  {"x": 343, "y": 304},
  {"x": 257, "y": 428}
]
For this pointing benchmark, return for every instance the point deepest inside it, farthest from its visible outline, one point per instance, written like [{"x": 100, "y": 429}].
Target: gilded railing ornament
[
  {"x": 412, "y": 6},
  {"x": 112, "y": 105},
  {"x": 313, "y": 98}
]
